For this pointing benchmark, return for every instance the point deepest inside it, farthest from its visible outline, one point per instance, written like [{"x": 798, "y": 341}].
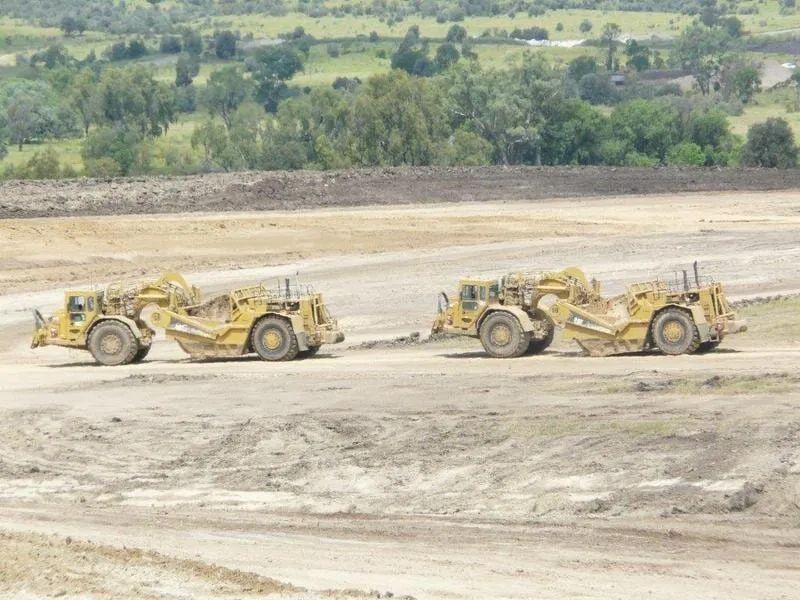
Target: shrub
[
  {"x": 102, "y": 168},
  {"x": 770, "y": 144},
  {"x": 686, "y": 154}
]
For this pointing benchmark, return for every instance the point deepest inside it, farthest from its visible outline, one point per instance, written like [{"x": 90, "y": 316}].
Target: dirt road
[{"x": 426, "y": 470}]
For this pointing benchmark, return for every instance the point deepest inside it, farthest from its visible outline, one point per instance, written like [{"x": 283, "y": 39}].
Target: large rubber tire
[
  {"x": 502, "y": 336},
  {"x": 537, "y": 346},
  {"x": 112, "y": 343},
  {"x": 141, "y": 354},
  {"x": 273, "y": 339},
  {"x": 673, "y": 332}
]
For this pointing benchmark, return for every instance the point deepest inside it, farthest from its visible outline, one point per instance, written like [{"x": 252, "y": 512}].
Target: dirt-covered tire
[
  {"x": 112, "y": 343},
  {"x": 502, "y": 336},
  {"x": 536, "y": 346},
  {"x": 141, "y": 353},
  {"x": 273, "y": 339},
  {"x": 706, "y": 347},
  {"x": 673, "y": 332}
]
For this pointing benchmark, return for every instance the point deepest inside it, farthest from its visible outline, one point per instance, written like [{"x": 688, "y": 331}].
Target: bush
[
  {"x": 531, "y": 33},
  {"x": 119, "y": 145},
  {"x": 596, "y": 88},
  {"x": 466, "y": 148},
  {"x": 170, "y": 44},
  {"x": 44, "y": 165},
  {"x": 192, "y": 42},
  {"x": 456, "y": 34},
  {"x": 580, "y": 66},
  {"x": 102, "y": 168},
  {"x": 637, "y": 159},
  {"x": 136, "y": 49},
  {"x": 225, "y": 44},
  {"x": 686, "y": 154},
  {"x": 770, "y": 144}
]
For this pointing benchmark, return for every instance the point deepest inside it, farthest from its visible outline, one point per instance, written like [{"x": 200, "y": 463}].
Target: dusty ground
[{"x": 426, "y": 470}]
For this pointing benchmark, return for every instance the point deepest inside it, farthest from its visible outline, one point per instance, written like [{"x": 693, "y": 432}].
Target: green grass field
[
  {"x": 783, "y": 103},
  {"x": 178, "y": 139},
  {"x": 632, "y": 23}
]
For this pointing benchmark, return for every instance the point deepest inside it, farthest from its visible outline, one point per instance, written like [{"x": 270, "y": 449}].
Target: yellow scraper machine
[
  {"x": 511, "y": 316},
  {"x": 117, "y": 325},
  {"x": 276, "y": 324}
]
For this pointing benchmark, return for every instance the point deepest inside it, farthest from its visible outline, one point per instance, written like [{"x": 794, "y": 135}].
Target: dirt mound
[
  {"x": 384, "y": 186},
  {"x": 412, "y": 339}
]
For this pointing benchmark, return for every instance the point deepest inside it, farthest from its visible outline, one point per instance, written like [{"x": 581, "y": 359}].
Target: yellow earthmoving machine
[
  {"x": 108, "y": 323},
  {"x": 117, "y": 325},
  {"x": 512, "y": 317},
  {"x": 276, "y": 324}
]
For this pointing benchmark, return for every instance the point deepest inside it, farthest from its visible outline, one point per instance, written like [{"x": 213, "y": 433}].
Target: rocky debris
[
  {"x": 738, "y": 304},
  {"x": 743, "y": 498},
  {"x": 412, "y": 339}
]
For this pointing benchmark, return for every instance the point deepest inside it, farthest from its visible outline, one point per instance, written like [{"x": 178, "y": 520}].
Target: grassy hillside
[{"x": 342, "y": 47}]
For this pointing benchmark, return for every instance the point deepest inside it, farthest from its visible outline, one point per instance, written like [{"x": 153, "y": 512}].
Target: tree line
[
  {"x": 437, "y": 107},
  {"x": 470, "y": 116}
]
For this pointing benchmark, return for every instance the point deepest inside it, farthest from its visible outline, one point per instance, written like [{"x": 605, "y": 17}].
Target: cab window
[
  {"x": 483, "y": 293},
  {"x": 76, "y": 304},
  {"x": 90, "y": 304},
  {"x": 469, "y": 292}
]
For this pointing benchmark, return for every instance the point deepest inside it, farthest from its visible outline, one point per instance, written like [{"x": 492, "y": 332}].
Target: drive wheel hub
[
  {"x": 111, "y": 344},
  {"x": 273, "y": 340},
  {"x": 674, "y": 331},
  {"x": 501, "y": 335}
]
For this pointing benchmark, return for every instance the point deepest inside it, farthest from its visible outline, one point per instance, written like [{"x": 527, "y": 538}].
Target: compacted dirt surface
[{"x": 392, "y": 465}]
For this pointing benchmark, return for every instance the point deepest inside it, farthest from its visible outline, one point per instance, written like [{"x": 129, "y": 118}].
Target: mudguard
[
  {"x": 137, "y": 333},
  {"x": 521, "y": 315}
]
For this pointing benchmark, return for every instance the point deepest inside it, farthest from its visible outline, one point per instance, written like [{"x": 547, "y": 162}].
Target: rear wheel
[
  {"x": 706, "y": 347},
  {"x": 112, "y": 343},
  {"x": 311, "y": 351},
  {"x": 141, "y": 354},
  {"x": 535, "y": 346},
  {"x": 674, "y": 332},
  {"x": 273, "y": 339},
  {"x": 502, "y": 336}
]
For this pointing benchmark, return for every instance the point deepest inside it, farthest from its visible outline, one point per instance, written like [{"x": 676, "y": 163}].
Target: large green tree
[
  {"x": 272, "y": 68},
  {"x": 700, "y": 50},
  {"x": 397, "y": 119},
  {"x": 225, "y": 91}
]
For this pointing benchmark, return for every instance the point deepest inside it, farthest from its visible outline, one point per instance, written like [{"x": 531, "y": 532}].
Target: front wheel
[
  {"x": 674, "y": 332},
  {"x": 273, "y": 339},
  {"x": 502, "y": 336},
  {"x": 112, "y": 343}
]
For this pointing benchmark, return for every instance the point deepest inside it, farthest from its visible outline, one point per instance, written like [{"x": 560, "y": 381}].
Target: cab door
[
  {"x": 81, "y": 311},
  {"x": 472, "y": 304}
]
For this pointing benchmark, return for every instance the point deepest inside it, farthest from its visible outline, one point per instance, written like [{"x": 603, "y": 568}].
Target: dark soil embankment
[{"x": 386, "y": 186}]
